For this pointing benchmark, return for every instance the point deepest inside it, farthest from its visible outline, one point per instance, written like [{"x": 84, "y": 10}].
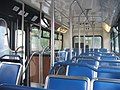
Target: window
[
  {"x": 44, "y": 42},
  {"x": 58, "y": 41},
  {"x": 88, "y": 41},
  {"x": 34, "y": 39},
  {"x": 58, "y": 45},
  {"x": 60, "y": 37},
  {"x": 56, "y": 36},
  {"x": 46, "y": 34},
  {"x": 3, "y": 39},
  {"x": 115, "y": 40},
  {"x": 19, "y": 42},
  {"x": 45, "y": 39}
]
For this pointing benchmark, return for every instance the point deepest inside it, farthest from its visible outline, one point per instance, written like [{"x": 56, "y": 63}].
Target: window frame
[
  {"x": 49, "y": 37},
  {"x": 113, "y": 37},
  {"x": 88, "y": 36}
]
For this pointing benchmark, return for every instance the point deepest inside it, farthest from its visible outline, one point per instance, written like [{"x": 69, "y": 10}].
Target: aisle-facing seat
[
  {"x": 10, "y": 73},
  {"x": 105, "y": 84},
  {"x": 67, "y": 83}
]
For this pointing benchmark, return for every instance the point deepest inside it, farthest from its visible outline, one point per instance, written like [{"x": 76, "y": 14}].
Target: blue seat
[
  {"x": 67, "y": 83},
  {"x": 80, "y": 70},
  {"x": 108, "y": 72},
  {"x": 88, "y": 61},
  {"x": 62, "y": 56},
  {"x": 91, "y": 60},
  {"x": 103, "y": 50},
  {"x": 105, "y": 84},
  {"x": 108, "y": 58},
  {"x": 15, "y": 87},
  {"x": 107, "y": 54},
  {"x": 76, "y": 50},
  {"x": 94, "y": 50},
  {"x": 68, "y": 55},
  {"x": 10, "y": 73}
]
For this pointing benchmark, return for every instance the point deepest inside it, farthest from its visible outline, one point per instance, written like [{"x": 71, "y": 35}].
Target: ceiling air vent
[
  {"x": 16, "y": 8},
  {"x": 34, "y": 18}
]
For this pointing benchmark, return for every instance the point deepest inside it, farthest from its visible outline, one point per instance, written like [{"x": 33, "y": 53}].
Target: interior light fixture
[
  {"x": 106, "y": 27},
  {"x": 62, "y": 29}
]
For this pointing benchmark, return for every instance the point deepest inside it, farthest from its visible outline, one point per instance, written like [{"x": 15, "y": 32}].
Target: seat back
[
  {"x": 16, "y": 87},
  {"x": 62, "y": 55},
  {"x": 105, "y": 84},
  {"x": 109, "y": 58},
  {"x": 10, "y": 73},
  {"x": 67, "y": 83},
  {"x": 108, "y": 72},
  {"x": 80, "y": 70},
  {"x": 103, "y": 50},
  {"x": 88, "y": 61}
]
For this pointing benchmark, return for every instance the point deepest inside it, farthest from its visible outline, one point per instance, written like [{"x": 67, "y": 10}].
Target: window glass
[
  {"x": 116, "y": 45},
  {"x": 88, "y": 41},
  {"x": 114, "y": 39},
  {"x": 55, "y": 36},
  {"x": 46, "y": 34},
  {"x": 34, "y": 39},
  {"x": 19, "y": 42},
  {"x": 60, "y": 37},
  {"x": 58, "y": 42},
  {"x": 44, "y": 42},
  {"x": 3, "y": 39},
  {"x": 58, "y": 45}
]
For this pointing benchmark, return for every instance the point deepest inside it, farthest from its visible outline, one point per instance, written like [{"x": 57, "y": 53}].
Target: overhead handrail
[{"x": 71, "y": 26}]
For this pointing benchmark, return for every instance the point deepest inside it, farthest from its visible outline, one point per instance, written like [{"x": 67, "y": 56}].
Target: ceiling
[{"x": 100, "y": 10}]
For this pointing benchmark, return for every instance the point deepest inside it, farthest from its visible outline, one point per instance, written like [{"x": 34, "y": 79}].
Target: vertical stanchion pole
[
  {"x": 23, "y": 7},
  {"x": 84, "y": 38},
  {"x": 52, "y": 32},
  {"x": 16, "y": 38},
  {"x": 22, "y": 28},
  {"x": 40, "y": 56},
  {"x": 70, "y": 32},
  {"x": 59, "y": 41},
  {"x": 93, "y": 27},
  {"x": 79, "y": 35},
  {"x": 93, "y": 37}
]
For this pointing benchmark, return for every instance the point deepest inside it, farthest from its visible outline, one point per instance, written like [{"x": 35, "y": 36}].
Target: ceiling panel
[{"x": 101, "y": 10}]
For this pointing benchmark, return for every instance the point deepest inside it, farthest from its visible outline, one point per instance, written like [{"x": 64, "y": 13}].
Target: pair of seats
[
  {"x": 81, "y": 83},
  {"x": 77, "y": 69},
  {"x": 59, "y": 82}
]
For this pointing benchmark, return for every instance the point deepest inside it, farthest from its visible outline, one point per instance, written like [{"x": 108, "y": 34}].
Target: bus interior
[{"x": 60, "y": 45}]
